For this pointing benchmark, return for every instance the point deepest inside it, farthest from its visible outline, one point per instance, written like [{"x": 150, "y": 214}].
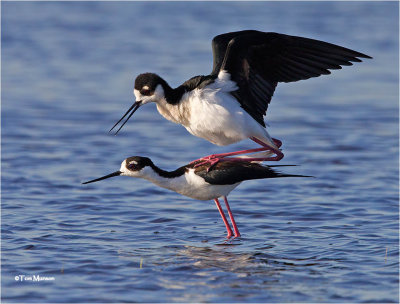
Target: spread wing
[{"x": 257, "y": 61}]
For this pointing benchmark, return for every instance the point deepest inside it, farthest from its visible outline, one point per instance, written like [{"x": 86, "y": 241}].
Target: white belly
[
  {"x": 193, "y": 186},
  {"x": 205, "y": 193},
  {"x": 214, "y": 114},
  {"x": 219, "y": 119}
]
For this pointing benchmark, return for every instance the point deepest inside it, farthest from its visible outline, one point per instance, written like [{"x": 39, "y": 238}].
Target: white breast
[
  {"x": 214, "y": 114},
  {"x": 192, "y": 185},
  {"x": 197, "y": 188}
]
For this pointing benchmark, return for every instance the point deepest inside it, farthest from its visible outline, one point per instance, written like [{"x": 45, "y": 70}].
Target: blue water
[{"x": 67, "y": 76}]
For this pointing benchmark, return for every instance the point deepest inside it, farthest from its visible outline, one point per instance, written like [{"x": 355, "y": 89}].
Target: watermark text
[{"x": 32, "y": 278}]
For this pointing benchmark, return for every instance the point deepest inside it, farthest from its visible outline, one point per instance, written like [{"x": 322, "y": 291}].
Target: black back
[
  {"x": 228, "y": 173},
  {"x": 198, "y": 82},
  {"x": 257, "y": 61},
  {"x": 222, "y": 173},
  {"x": 173, "y": 96}
]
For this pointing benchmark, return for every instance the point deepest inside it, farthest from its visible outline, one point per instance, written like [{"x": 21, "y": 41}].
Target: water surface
[{"x": 67, "y": 76}]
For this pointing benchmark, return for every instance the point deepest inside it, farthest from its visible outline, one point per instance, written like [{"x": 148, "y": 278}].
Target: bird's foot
[
  {"x": 208, "y": 157},
  {"x": 277, "y": 142},
  {"x": 212, "y": 160},
  {"x": 231, "y": 236}
]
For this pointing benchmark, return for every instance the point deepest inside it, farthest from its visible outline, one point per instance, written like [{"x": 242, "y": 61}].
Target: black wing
[
  {"x": 257, "y": 61},
  {"x": 229, "y": 173}
]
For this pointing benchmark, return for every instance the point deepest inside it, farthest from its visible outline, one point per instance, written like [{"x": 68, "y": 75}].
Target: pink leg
[
  {"x": 237, "y": 152},
  {"x": 277, "y": 142},
  {"x": 279, "y": 154},
  {"x": 222, "y": 155},
  {"x": 228, "y": 228},
  {"x": 215, "y": 158},
  {"x": 235, "y": 228}
]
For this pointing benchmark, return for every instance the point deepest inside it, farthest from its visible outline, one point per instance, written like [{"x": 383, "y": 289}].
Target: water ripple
[{"x": 67, "y": 75}]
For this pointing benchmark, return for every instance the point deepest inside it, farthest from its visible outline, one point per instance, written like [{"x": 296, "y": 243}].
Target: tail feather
[
  {"x": 292, "y": 175},
  {"x": 277, "y": 173},
  {"x": 224, "y": 173}
]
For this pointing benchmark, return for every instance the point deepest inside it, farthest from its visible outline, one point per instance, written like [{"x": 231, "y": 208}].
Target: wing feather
[
  {"x": 315, "y": 61},
  {"x": 257, "y": 61}
]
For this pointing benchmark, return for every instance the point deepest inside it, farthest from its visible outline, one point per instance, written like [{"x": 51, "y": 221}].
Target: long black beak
[
  {"x": 132, "y": 109},
  {"x": 116, "y": 173}
]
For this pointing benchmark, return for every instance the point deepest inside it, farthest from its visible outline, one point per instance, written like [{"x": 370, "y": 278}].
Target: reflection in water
[
  {"x": 247, "y": 263},
  {"x": 220, "y": 257},
  {"x": 222, "y": 268}
]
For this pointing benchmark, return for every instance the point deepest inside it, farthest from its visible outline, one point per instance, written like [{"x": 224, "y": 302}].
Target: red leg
[
  {"x": 235, "y": 228},
  {"x": 222, "y": 155},
  {"x": 228, "y": 228},
  {"x": 279, "y": 154},
  {"x": 277, "y": 142},
  {"x": 215, "y": 158},
  {"x": 236, "y": 153}
]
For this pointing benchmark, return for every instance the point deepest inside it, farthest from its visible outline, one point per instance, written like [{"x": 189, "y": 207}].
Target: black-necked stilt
[
  {"x": 229, "y": 104},
  {"x": 196, "y": 181}
]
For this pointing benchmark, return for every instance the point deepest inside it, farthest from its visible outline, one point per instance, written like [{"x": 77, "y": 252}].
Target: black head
[
  {"x": 132, "y": 166},
  {"x": 149, "y": 87},
  {"x": 146, "y": 83},
  {"x": 136, "y": 163}
]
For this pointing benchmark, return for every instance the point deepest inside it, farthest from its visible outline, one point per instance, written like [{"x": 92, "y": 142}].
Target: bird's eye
[
  {"x": 146, "y": 92},
  {"x": 132, "y": 167}
]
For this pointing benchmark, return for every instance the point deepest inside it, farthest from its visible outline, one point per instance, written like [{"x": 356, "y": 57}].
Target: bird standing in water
[
  {"x": 229, "y": 105},
  {"x": 197, "y": 182}
]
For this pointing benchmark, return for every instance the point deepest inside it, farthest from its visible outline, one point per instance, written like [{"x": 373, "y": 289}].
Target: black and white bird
[
  {"x": 197, "y": 182},
  {"x": 229, "y": 105}
]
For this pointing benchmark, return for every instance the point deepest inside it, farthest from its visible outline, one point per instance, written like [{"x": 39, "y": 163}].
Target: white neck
[
  {"x": 188, "y": 184},
  {"x": 174, "y": 184},
  {"x": 178, "y": 113}
]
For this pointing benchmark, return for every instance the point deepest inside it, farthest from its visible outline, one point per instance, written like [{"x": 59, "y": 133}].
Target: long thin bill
[
  {"x": 116, "y": 173},
  {"x": 133, "y": 108}
]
